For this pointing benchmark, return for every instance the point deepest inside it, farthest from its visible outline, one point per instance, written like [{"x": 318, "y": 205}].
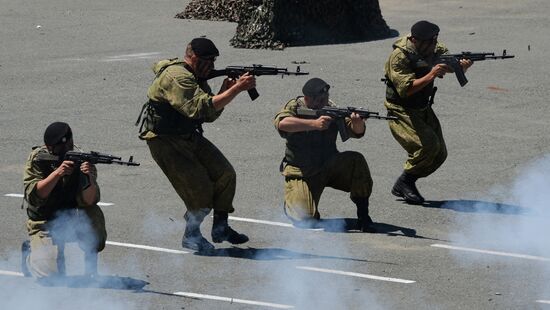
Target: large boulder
[{"x": 279, "y": 23}]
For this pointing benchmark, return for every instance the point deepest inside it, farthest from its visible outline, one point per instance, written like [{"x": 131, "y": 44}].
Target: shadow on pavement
[
  {"x": 273, "y": 254},
  {"x": 351, "y": 225},
  {"x": 98, "y": 281},
  {"x": 475, "y": 206}
]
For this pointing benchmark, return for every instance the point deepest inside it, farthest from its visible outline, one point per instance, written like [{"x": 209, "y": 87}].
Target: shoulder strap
[
  {"x": 413, "y": 58},
  {"x": 167, "y": 63}
]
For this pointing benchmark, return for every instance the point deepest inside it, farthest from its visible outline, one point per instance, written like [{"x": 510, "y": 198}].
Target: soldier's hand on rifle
[
  {"x": 66, "y": 168},
  {"x": 440, "y": 70},
  {"x": 227, "y": 84},
  {"x": 246, "y": 82},
  {"x": 323, "y": 122},
  {"x": 465, "y": 64},
  {"x": 89, "y": 193},
  {"x": 357, "y": 123},
  {"x": 89, "y": 170}
]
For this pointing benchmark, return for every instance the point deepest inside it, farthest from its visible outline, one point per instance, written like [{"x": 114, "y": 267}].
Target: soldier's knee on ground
[
  {"x": 306, "y": 224},
  {"x": 300, "y": 212}
]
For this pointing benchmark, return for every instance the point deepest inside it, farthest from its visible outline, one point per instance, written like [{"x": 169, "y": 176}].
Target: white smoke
[
  {"x": 519, "y": 227},
  {"x": 313, "y": 290},
  {"x": 73, "y": 291},
  {"x": 19, "y": 293}
]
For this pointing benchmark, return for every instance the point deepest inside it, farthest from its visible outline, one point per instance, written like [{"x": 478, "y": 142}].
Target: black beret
[
  {"x": 57, "y": 133},
  {"x": 203, "y": 47},
  {"x": 424, "y": 30},
  {"x": 315, "y": 87}
]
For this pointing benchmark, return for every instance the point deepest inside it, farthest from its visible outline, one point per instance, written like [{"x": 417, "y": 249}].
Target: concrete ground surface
[{"x": 479, "y": 242}]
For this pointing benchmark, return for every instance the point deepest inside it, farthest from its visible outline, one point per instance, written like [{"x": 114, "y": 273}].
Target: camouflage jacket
[
  {"x": 176, "y": 85},
  {"x": 307, "y": 151},
  {"x": 67, "y": 193},
  {"x": 404, "y": 66}
]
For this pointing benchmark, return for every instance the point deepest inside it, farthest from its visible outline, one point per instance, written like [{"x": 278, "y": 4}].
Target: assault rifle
[
  {"x": 256, "y": 70},
  {"x": 92, "y": 157},
  {"x": 453, "y": 61},
  {"x": 98, "y": 158},
  {"x": 339, "y": 114}
]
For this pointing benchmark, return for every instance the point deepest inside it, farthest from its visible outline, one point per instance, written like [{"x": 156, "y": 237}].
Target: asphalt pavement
[{"x": 478, "y": 243}]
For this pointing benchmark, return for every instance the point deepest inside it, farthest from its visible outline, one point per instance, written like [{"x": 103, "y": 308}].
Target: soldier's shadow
[
  {"x": 351, "y": 225},
  {"x": 476, "y": 206},
  {"x": 273, "y": 254},
  {"x": 98, "y": 281}
]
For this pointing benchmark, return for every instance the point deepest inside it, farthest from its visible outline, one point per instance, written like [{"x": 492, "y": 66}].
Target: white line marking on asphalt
[
  {"x": 105, "y": 204},
  {"x": 242, "y": 219},
  {"x": 491, "y": 252},
  {"x": 146, "y": 247},
  {"x": 130, "y": 57},
  {"x": 354, "y": 274},
  {"x": 193, "y": 295},
  {"x": 233, "y": 300},
  {"x": 543, "y": 301},
  {"x": 74, "y": 59},
  {"x": 101, "y": 204},
  {"x": 11, "y": 273},
  {"x": 234, "y": 218}
]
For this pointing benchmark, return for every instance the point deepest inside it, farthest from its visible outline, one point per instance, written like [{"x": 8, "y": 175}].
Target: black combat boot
[
  {"x": 365, "y": 223},
  {"x": 405, "y": 187},
  {"x": 222, "y": 232},
  {"x": 192, "y": 237},
  {"x": 25, "y": 252}
]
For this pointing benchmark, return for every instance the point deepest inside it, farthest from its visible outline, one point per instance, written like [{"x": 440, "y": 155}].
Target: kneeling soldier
[
  {"x": 312, "y": 161},
  {"x": 61, "y": 205}
]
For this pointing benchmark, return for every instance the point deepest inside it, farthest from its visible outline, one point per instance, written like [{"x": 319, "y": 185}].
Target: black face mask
[
  {"x": 62, "y": 148},
  {"x": 319, "y": 101},
  {"x": 203, "y": 67},
  {"x": 64, "y": 145}
]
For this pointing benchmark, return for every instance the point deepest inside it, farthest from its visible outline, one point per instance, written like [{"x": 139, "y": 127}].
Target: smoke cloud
[
  {"x": 520, "y": 227},
  {"x": 73, "y": 291}
]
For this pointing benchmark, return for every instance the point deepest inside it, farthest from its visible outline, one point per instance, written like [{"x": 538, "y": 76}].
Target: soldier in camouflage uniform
[
  {"x": 410, "y": 74},
  {"x": 312, "y": 161},
  {"x": 61, "y": 206},
  {"x": 180, "y": 100}
]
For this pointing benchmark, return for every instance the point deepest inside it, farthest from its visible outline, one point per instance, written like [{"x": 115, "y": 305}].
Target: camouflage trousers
[
  {"x": 419, "y": 133},
  {"x": 86, "y": 226},
  {"x": 346, "y": 171},
  {"x": 198, "y": 171}
]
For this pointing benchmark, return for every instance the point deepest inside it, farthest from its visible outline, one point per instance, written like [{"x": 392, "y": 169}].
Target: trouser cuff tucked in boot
[
  {"x": 221, "y": 231},
  {"x": 192, "y": 237},
  {"x": 405, "y": 187},
  {"x": 365, "y": 223}
]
